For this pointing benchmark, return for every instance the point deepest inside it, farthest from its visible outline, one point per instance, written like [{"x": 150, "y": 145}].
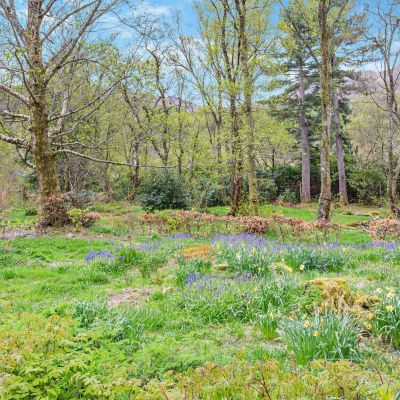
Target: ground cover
[{"x": 136, "y": 315}]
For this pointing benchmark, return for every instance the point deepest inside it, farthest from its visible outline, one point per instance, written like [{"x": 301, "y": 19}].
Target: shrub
[
  {"x": 368, "y": 182},
  {"x": 268, "y": 190},
  {"x": 383, "y": 228},
  {"x": 162, "y": 191},
  {"x": 54, "y": 211},
  {"x": 289, "y": 196},
  {"x": 329, "y": 337},
  {"x": 83, "y": 218}
]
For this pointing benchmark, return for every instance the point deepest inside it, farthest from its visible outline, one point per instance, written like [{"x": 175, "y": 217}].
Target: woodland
[{"x": 200, "y": 200}]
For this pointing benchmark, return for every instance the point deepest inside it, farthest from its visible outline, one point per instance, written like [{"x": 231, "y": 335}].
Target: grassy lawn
[{"x": 168, "y": 317}]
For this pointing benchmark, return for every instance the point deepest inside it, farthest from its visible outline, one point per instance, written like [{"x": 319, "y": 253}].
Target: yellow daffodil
[
  {"x": 370, "y": 315},
  {"x": 307, "y": 324},
  {"x": 367, "y": 325},
  {"x": 390, "y": 295},
  {"x": 316, "y": 333},
  {"x": 389, "y": 308}
]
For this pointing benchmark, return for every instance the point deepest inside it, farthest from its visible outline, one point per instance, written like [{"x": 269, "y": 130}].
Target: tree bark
[
  {"x": 339, "y": 149},
  {"x": 325, "y": 200},
  {"x": 392, "y": 175},
  {"x": 134, "y": 172},
  {"x": 51, "y": 208},
  {"x": 248, "y": 107},
  {"x": 305, "y": 194}
]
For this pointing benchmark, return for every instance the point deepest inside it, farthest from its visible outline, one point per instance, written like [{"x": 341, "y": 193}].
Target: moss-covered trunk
[{"x": 325, "y": 200}]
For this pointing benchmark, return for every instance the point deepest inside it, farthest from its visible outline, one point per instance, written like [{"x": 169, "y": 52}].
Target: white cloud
[{"x": 154, "y": 10}]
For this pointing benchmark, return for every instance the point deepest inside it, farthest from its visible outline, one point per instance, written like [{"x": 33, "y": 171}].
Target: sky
[{"x": 166, "y": 7}]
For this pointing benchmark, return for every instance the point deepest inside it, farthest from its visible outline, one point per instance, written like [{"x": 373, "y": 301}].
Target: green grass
[
  {"x": 46, "y": 287},
  {"x": 309, "y": 212}
]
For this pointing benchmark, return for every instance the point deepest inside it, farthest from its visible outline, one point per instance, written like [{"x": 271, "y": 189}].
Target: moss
[{"x": 334, "y": 294}]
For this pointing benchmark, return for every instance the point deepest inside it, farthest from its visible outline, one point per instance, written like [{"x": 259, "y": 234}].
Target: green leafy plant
[
  {"x": 188, "y": 267},
  {"x": 386, "y": 318},
  {"x": 329, "y": 337},
  {"x": 162, "y": 191}
]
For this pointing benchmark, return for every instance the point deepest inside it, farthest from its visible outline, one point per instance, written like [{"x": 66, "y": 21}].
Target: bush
[
  {"x": 268, "y": 190},
  {"x": 369, "y": 183},
  {"x": 383, "y": 228},
  {"x": 289, "y": 196},
  {"x": 54, "y": 211},
  {"x": 329, "y": 337},
  {"x": 83, "y": 218},
  {"x": 162, "y": 191}
]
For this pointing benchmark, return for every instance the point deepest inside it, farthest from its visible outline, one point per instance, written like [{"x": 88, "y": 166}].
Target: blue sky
[{"x": 166, "y": 7}]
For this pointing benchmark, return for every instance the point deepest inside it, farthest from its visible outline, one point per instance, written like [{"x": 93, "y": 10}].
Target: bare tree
[
  {"x": 41, "y": 46},
  {"x": 385, "y": 39}
]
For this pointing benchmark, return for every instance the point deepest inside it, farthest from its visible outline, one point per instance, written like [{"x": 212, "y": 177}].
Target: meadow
[{"x": 121, "y": 311}]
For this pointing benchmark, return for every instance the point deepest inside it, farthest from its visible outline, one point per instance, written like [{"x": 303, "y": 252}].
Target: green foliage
[
  {"x": 216, "y": 300},
  {"x": 369, "y": 184},
  {"x": 89, "y": 311},
  {"x": 319, "y": 258},
  {"x": 162, "y": 191},
  {"x": 268, "y": 380},
  {"x": 386, "y": 319},
  {"x": 82, "y": 217},
  {"x": 268, "y": 190},
  {"x": 243, "y": 260},
  {"x": 188, "y": 267},
  {"x": 329, "y": 337}
]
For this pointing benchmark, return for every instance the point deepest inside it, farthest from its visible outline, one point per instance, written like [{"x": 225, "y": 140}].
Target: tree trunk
[
  {"x": 52, "y": 210},
  {"x": 325, "y": 200},
  {"x": 237, "y": 162},
  {"x": 248, "y": 90},
  {"x": 339, "y": 149},
  {"x": 305, "y": 194},
  {"x": 392, "y": 175},
  {"x": 134, "y": 172}
]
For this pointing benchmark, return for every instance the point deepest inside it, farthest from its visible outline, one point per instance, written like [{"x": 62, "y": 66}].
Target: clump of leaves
[
  {"x": 386, "y": 318},
  {"x": 328, "y": 337}
]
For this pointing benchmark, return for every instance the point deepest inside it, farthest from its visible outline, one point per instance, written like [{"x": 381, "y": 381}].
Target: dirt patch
[
  {"x": 14, "y": 233},
  {"x": 133, "y": 296}
]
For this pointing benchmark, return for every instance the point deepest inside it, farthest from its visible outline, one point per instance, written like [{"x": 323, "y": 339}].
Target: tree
[
  {"x": 297, "y": 62},
  {"x": 43, "y": 45},
  {"x": 384, "y": 43},
  {"x": 322, "y": 29}
]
